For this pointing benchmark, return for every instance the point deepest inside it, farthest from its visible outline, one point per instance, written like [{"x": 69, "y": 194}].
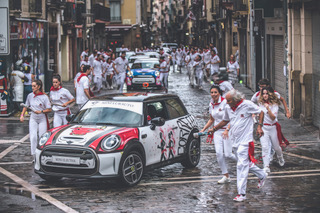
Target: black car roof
[{"x": 137, "y": 96}]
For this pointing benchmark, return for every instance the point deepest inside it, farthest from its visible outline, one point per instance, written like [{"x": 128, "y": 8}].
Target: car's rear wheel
[
  {"x": 193, "y": 153},
  {"x": 131, "y": 168},
  {"x": 50, "y": 178}
]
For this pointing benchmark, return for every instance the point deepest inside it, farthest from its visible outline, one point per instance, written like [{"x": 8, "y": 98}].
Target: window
[
  {"x": 115, "y": 11},
  {"x": 156, "y": 109},
  {"x": 175, "y": 108}
]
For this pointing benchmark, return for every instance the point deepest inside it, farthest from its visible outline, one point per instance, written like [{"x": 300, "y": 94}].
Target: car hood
[{"x": 81, "y": 134}]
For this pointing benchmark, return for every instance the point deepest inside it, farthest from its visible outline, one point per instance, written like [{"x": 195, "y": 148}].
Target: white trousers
[
  {"x": 98, "y": 81},
  {"x": 164, "y": 79},
  {"x": 199, "y": 74},
  {"x": 223, "y": 149},
  {"x": 59, "y": 118},
  {"x": 268, "y": 140},
  {"x": 244, "y": 166},
  {"x": 37, "y": 127},
  {"x": 174, "y": 62},
  {"x": 121, "y": 80},
  {"x": 191, "y": 75}
]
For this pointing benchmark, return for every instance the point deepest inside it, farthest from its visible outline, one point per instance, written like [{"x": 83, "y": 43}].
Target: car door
[
  {"x": 155, "y": 141},
  {"x": 180, "y": 125}
]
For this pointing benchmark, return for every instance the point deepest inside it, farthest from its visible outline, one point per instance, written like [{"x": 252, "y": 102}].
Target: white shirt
[
  {"x": 214, "y": 64},
  {"x": 174, "y": 55},
  {"x": 225, "y": 86},
  {"x": 29, "y": 77},
  {"x": 91, "y": 60},
  {"x": 38, "y": 103},
  {"x": 193, "y": 56},
  {"x": 97, "y": 68},
  {"x": 217, "y": 110},
  {"x": 83, "y": 84},
  {"x": 109, "y": 68},
  {"x": 17, "y": 76},
  {"x": 197, "y": 65},
  {"x": 256, "y": 96},
  {"x": 121, "y": 64},
  {"x": 207, "y": 56},
  {"x": 274, "y": 109},
  {"x": 241, "y": 122},
  {"x": 163, "y": 64},
  {"x": 233, "y": 67},
  {"x": 84, "y": 63},
  {"x": 83, "y": 54},
  {"x": 60, "y": 97}
]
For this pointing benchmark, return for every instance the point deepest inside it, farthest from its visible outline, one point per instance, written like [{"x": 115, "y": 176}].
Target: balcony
[
  {"x": 15, "y": 8},
  {"x": 115, "y": 19},
  {"x": 35, "y": 7},
  {"x": 56, "y": 4},
  {"x": 102, "y": 14},
  {"x": 69, "y": 15},
  {"x": 80, "y": 10}
]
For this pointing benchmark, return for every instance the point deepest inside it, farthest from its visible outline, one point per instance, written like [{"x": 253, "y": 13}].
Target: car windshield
[
  {"x": 108, "y": 116},
  {"x": 145, "y": 65}
]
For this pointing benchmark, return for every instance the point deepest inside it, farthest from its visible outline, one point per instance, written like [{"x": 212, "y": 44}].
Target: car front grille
[
  {"x": 143, "y": 79},
  {"x": 69, "y": 160}
]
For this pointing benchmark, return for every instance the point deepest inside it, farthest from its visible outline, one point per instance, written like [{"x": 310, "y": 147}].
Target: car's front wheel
[
  {"x": 193, "y": 153},
  {"x": 131, "y": 168}
]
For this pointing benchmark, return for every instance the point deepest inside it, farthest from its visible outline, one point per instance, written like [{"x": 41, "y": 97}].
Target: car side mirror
[
  {"x": 69, "y": 117},
  {"x": 158, "y": 121}
]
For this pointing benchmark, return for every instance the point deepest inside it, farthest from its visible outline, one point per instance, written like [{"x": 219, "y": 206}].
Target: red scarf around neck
[
  {"x": 215, "y": 104},
  {"x": 236, "y": 106},
  {"x": 39, "y": 93},
  {"x": 55, "y": 89},
  {"x": 82, "y": 74}
]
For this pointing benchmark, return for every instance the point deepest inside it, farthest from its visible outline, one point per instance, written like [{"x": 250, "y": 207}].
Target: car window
[
  {"x": 108, "y": 116},
  {"x": 136, "y": 66},
  {"x": 156, "y": 109},
  {"x": 175, "y": 108}
]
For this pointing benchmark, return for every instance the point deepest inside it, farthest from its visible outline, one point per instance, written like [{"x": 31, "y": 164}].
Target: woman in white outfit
[
  {"x": 223, "y": 146},
  {"x": 39, "y": 103},
  {"x": 233, "y": 70},
  {"x": 269, "y": 104},
  {"x": 197, "y": 65},
  {"x": 60, "y": 99}
]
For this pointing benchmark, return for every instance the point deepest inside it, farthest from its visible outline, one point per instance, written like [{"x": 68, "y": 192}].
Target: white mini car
[{"x": 120, "y": 136}]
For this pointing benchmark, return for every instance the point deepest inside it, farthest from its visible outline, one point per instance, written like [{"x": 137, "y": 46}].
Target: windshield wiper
[{"x": 103, "y": 123}]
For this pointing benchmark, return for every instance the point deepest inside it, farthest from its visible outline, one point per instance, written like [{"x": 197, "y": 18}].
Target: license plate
[{"x": 66, "y": 160}]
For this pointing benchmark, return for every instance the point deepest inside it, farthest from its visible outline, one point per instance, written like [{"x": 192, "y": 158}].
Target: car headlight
[
  {"x": 44, "y": 138},
  {"x": 110, "y": 143},
  {"x": 157, "y": 73},
  {"x": 130, "y": 73}
]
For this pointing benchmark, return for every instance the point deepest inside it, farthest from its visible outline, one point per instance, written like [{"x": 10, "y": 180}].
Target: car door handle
[{"x": 144, "y": 136}]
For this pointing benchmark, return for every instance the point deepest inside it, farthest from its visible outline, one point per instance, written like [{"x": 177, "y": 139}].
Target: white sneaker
[
  {"x": 266, "y": 169},
  {"x": 224, "y": 179},
  {"x": 262, "y": 181},
  {"x": 240, "y": 198},
  {"x": 281, "y": 160}
]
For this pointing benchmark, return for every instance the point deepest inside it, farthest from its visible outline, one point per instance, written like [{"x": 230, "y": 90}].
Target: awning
[{"x": 123, "y": 27}]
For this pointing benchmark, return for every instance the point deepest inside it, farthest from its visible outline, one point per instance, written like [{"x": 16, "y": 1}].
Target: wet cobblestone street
[{"x": 292, "y": 188}]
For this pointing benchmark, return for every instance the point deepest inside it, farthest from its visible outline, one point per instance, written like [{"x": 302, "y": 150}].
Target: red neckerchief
[
  {"x": 258, "y": 93},
  {"x": 55, "y": 89},
  {"x": 236, "y": 106},
  {"x": 232, "y": 62},
  {"x": 220, "y": 82},
  {"x": 97, "y": 59},
  {"x": 219, "y": 101},
  {"x": 39, "y": 93},
  {"x": 266, "y": 102},
  {"x": 82, "y": 74}
]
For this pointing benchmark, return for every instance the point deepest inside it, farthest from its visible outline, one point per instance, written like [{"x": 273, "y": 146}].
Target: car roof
[
  {"x": 141, "y": 60},
  {"x": 134, "y": 97}
]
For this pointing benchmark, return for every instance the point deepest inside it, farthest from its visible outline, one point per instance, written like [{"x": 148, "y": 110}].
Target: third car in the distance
[{"x": 144, "y": 71}]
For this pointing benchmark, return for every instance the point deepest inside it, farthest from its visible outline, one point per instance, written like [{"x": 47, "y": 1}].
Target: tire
[
  {"x": 193, "y": 154},
  {"x": 131, "y": 168},
  {"x": 50, "y": 178}
]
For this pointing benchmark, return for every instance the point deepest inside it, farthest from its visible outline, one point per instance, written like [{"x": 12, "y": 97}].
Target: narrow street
[{"x": 292, "y": 188}]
